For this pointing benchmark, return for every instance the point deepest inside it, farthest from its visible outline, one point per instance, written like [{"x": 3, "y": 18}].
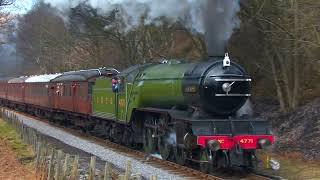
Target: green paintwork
[
  {"x": 155, "y": 86},
  {"x": 103, "y": 99}
]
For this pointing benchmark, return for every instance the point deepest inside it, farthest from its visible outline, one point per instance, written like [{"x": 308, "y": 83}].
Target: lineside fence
[{"x": 53, "y": 164}]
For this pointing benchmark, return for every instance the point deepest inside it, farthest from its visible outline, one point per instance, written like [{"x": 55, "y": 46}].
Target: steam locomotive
[{"x": 184, "y": 111}]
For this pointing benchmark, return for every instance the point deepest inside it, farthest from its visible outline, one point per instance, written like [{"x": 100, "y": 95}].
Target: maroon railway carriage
[
  {"x": 15, "y": 89},
  {"x": 3, "y": 89},
  {"x": 66, "y": 92},
  {"x": 72, "y": 91},
  {"x": 36, "y": 89}
]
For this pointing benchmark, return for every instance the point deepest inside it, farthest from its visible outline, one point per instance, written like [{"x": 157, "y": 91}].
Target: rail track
[
  {"x": 183, "y": 171},
  {"x": 258, "y": 175}
]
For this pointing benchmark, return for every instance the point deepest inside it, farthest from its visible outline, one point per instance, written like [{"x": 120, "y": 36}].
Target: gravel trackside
[{"x": 97, "y": 150}]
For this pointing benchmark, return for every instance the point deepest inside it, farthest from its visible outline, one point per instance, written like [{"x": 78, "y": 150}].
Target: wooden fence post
[
  {"x": 121, "y": 177},
  {"x": 51, "y": 165},
  {"x": 128, "y": 170},
  {"x": 153, "y": 177},
  {"x": 74, "y": 173},
  {"x": 65, "y": 167},
  {"x": 58, "y": 165},
  {"x": 137, "y": 176},
  {"x": 26, "y": 135},
  {"x": 92, "y": 168},
  {"x": 38, "y": 155},
  {"x": 43, "y": 161},
  {"x": 22, "y": 132},
  {"x": 107, "y": 172},
  {"x": 34, "y": 139},
  {"x": 29, "y": 137}
]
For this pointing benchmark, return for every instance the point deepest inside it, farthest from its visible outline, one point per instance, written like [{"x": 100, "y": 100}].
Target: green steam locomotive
[{"x": 186, "y": 112}]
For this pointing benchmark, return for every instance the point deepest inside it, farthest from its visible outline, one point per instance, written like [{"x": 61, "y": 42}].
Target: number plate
[{"x": 246, "y": 141}]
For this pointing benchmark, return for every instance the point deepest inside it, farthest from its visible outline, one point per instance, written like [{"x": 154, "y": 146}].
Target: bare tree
[
  {"x": 291, "y": 38},
  {"x": 90, "y": 40},
  {"x": 43, "y": 39},
  {"x": 5, "y": 19},
  {"x": 105, "y": 41},
  {"x": 6, "y": 2}
]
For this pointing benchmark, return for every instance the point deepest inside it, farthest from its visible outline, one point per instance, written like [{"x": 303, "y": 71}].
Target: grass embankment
[
  {"x": 9, "y": 136},
  {"x": 294, "y": 167}
]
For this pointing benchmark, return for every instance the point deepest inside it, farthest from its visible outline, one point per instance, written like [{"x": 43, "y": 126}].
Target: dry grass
[
  {"x": 294, "y": 166},
  {"x": 13, "y": 152},
  {"x": 9, "y": 135}
]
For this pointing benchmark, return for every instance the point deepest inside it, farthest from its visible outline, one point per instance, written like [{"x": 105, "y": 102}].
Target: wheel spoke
[
  {"x": 149, "y": 144},
  {"x": 164, "y": 141},
  {"x": 204, "y": 166},
  {"x": 164, "y": 147},
  {"x": 180, "y": 155}
]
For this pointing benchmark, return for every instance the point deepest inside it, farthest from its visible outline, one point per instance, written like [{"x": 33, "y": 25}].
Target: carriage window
[
  {"x": 118, "y": 84},
  {"x": 90, "y": 89},
  {"x": 67, "y": 90},
  {"x": 82, "y": 91},
  {"x": 44, "y": 90},
  {"x": 79, "y": 90},
  {"x": 61, "y": 90}
]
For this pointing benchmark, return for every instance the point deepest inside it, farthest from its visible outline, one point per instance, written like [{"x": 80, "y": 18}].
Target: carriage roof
[
  {"x": 84, "y": 75},
  {"x": 41, "y": 78}
]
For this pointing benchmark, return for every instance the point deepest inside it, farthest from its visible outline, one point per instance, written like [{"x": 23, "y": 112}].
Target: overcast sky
[{"x": 20, "y": 6}]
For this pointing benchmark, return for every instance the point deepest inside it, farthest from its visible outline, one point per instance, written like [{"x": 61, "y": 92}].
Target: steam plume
[
  {"x": 214, "y": 18},
  {"x": 246, "y": 109},
  {"x": 219, "y": 22}
]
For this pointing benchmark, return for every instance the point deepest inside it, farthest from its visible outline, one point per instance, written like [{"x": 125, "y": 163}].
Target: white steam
[
  {"x": 220, "y": 19},
  {"x": 186, "y": 11},
  {"x": 156, "y": 155},
  {"x": 172, "y": 139},
  {"x": 246, "y": 109},
  {"x": 190, "y": 12},
  {"x": 215, "y": 18}
]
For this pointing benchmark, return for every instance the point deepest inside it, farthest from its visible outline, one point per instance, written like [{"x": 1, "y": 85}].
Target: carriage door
[
  {"x": 74, "y": 97},
  {"x": 58, "y": 94},
  {"x": 51, "y": 89},
  {"x": 121, "y": 99}
]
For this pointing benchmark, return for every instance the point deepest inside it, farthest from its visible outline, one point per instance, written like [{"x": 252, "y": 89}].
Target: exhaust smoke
[
  {"x": 172, "y": 139},
  {"x": 220, "y": 19},
  {"x": 246, "y": 109},
  {"x": 216, "y": 19}
]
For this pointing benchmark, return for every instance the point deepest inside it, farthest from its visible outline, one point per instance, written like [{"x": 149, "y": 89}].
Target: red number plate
[{"x": 246, "y": 141}]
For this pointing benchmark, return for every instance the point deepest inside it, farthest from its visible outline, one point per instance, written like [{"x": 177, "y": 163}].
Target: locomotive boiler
[{"x": 214, "y": 86}]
